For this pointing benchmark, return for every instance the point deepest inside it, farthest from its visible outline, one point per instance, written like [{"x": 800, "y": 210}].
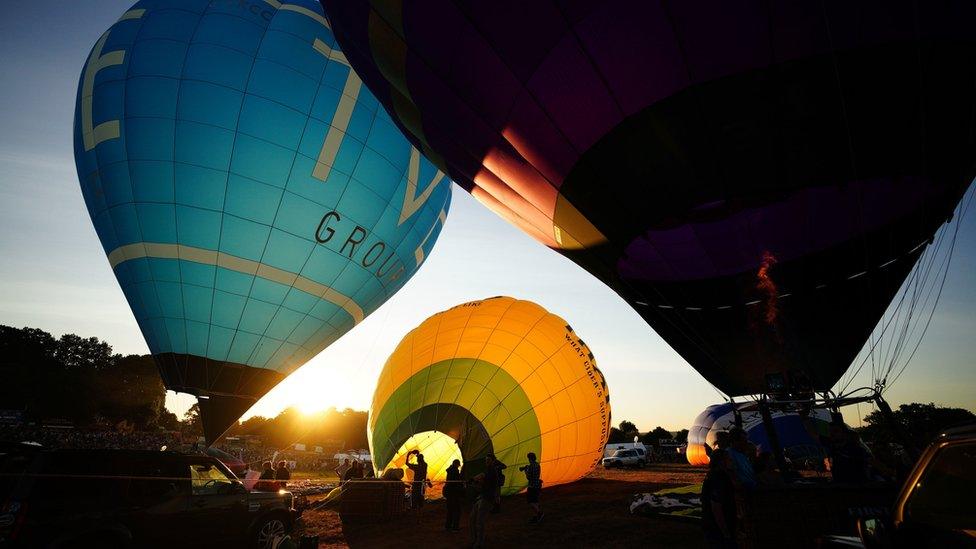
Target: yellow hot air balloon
[{"x": 499, "y": 376}]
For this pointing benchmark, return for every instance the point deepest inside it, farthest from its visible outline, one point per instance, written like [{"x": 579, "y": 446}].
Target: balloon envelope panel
[
  {"x": 756, "y": 180},
  {"x": 498, "y": 376},
  {"x": 254, "y": 201},
  {"x": 796, "y": 442}
]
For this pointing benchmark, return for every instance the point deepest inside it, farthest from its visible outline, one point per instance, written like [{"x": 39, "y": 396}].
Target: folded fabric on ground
[{"x": 681, "y": 502}]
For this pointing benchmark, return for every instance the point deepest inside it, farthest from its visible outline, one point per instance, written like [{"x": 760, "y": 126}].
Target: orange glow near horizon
[{"x": 315, "y": 387}]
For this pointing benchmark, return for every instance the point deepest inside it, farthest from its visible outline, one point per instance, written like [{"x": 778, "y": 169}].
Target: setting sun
[{"x": 318, "y": 386}]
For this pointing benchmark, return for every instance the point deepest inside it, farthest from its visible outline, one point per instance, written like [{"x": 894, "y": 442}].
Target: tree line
[
  {"x": 920, "y": 423},
  {"x": 626, "y": 431},
  {"x": 81, "y": 381},
  {"x": 331, "y": 429}
]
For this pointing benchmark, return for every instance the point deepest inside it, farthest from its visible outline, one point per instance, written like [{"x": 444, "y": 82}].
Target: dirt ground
[{"x": 594, "y": 511}]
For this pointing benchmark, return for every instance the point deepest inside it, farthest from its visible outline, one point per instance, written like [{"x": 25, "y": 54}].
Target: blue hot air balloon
[
  {"x": 254, "y": 200},
  {"x": 796, "y": 442}
]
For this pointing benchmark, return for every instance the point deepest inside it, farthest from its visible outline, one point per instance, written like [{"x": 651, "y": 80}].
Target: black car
[
  {"x": 128, "y": 498},
  {"x": 936, "y": 506}
]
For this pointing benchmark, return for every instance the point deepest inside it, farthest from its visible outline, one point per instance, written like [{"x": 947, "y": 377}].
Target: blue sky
[{"x": 54, "y": 274}]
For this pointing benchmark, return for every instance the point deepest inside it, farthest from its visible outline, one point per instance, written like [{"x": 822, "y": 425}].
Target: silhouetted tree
[
  {"x": 656, "y": 436},
  {"x": 191, "y": 424},
  {"x": 81, "y": 380},
  {"x": 628, "y": 428},
  {"x": 77, "y": 379},
  {"x": 920, "y": 423},
  {"x": 167, "y": 420},
  {"x": 78, "y": 352},
  {"x": 132, "y": 389},
  {"x": 681, "y": 436},
  {"x": 617, "y": 436},
  {"x": 328, "y": 428}
]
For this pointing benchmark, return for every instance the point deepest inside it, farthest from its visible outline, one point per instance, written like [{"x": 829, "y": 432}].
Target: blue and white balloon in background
[
  {"x": 254, "y": 200},
  {"x": 796, "y": 442}
]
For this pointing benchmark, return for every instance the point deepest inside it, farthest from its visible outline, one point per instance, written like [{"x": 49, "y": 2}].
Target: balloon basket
[{"x": 372, "y": 501}]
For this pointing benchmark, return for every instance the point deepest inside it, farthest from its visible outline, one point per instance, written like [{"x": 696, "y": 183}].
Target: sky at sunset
[{"x": 54, "y": 274}]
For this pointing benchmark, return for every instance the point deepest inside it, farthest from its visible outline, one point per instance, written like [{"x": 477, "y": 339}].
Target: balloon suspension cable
[
  {"x": 945, "y": 272},
  {"x": 902, "y": 328}
]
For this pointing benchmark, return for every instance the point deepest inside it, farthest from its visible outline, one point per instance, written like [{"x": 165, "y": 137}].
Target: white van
[{"x": 640, "y": 456}]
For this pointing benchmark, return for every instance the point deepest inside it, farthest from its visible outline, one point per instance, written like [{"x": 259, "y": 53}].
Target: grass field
[
  {"x": 320, "y": 475},
  {"x": 593, "y": 511}
]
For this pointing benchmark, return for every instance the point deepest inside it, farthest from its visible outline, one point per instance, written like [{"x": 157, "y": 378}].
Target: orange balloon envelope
[{"x": 499, "y": 376}]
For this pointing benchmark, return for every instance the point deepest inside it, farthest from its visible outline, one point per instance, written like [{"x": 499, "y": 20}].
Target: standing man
[
  {"x": 487, "y": 494},
  {"x": 356, "y": 470},
  {"x": 500, "y": 467},
  {"x": 341, "y": 470},
  {"x": 718, "y": 502},
  {"x": 266, "y": 480},
  {"x": 850, "y": 460},
  {"x": 419, "y": 479},
  {"x": 282, "y": 474},
  {"x": 742, "y": 452},
  {"x": 533, "y": 474},
  {"x": 454, "y": 494}
]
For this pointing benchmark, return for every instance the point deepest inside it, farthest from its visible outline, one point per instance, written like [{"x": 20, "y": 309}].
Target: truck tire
[{"x": 267, "y": 529}]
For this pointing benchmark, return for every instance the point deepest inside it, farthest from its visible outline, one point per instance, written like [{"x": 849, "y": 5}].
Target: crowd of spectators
[
  {"x": 302, "y": 461},
  {"x": 71, "y": 437}
]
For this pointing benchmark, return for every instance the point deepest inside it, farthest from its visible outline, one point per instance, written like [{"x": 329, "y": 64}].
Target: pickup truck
[
  {"x": 936, "y": 506},
  {"x": 129, "y": 498},
  {"x": 625, "y": 458}
]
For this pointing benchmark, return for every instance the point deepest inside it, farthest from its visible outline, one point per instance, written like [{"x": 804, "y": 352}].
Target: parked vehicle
[
  {"x": 232, "y": 462},
  {"x": 129, "y": 498},
  {"x": 609, "y": 449},
  {"x": 935, "y": 505},
  {"x": 626, "y": 458}
]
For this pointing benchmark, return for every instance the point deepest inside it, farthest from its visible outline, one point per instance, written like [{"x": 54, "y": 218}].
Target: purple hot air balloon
[{"x": 756, "y": 179}]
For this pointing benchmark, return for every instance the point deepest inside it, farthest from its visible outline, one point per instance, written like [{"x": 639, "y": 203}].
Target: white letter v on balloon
[{"x": 412, "y": 202}]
